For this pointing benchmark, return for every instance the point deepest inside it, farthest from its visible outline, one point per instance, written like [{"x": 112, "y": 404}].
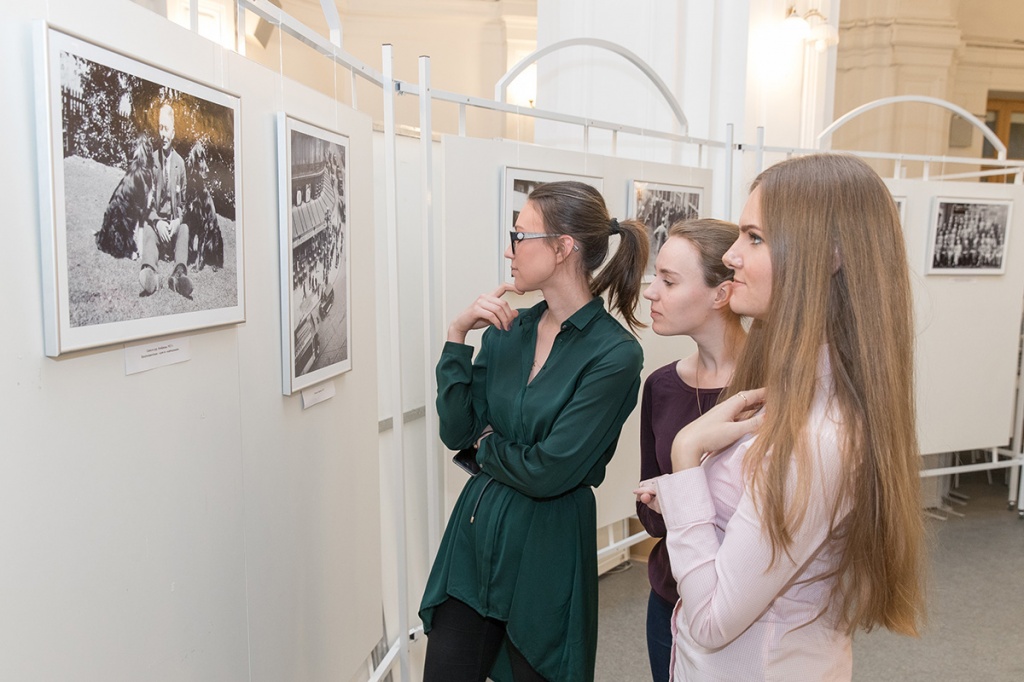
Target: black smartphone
[{"x": 466, "y": 460}]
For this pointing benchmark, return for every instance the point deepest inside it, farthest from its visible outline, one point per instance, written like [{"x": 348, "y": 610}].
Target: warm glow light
[
  {"x": 795, "y": 25},
  {"x": 812, "y": 28},
  {"x": 822, "y": 34},
  {"x": 779, "y": 50},
  {"x": 523, "y": 90},
  {"x": 216, "y": 19}
]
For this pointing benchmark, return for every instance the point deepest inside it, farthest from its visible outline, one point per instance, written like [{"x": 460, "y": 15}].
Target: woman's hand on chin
[{"x": 487, "y": 309}]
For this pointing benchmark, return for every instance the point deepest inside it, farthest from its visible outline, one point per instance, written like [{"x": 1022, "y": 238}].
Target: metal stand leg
[{"x": 1016, "y": 486}]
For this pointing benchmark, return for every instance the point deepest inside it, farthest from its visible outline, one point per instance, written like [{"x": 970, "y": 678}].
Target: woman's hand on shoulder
[
  {"x": 487, "y": 309},
  {"x": 719, "y": 428}
]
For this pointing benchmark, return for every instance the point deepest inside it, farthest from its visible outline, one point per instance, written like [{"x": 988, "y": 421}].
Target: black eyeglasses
[{"x": 516, "y": 237}]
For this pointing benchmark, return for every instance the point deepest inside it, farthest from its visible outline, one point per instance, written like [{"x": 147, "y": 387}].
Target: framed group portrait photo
[
  {"x": 313, "y": 172},
  {"x": 968, "y": 236},
  {"x": 140, "y": 193}
]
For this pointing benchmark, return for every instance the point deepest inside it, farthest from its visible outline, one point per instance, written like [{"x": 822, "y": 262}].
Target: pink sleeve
[{"x": 725, "y": 586}]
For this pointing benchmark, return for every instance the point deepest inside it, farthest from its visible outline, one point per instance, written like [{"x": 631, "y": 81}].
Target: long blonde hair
[{"x": 840, "y": 277}]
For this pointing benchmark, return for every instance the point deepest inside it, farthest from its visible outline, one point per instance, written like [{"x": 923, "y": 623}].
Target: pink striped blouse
[{"x": 739, "y": 617}]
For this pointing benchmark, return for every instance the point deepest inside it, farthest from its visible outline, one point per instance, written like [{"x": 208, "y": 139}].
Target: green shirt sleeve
[
  {"x": 583, "y": 435},
  {"x": 461, "y": 390}
]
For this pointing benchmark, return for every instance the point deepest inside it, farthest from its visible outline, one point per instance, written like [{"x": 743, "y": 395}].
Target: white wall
[{"x": 190, "y": 522}]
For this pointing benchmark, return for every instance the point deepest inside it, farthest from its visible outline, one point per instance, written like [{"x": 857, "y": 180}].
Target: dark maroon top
[{"x": 667, "y": 405}]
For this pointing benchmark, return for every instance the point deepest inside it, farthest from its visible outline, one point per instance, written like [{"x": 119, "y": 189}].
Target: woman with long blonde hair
[{"x": 793, "y": 525}]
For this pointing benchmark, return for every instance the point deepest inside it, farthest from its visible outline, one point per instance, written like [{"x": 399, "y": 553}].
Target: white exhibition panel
[
  {"x": 411, "y": 236},
  {"x": 188, "y": 522},
  {"x": 312, "y": 476},
  {"x": 473, "y": 235},
  {"x": 968, "y": 326}
]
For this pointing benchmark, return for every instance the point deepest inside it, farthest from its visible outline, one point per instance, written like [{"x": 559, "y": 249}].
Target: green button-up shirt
[{"x": 521, "y": 542}]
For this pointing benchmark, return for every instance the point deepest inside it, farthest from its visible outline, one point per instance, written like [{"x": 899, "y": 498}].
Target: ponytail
[{"x": 623, "y": 274}]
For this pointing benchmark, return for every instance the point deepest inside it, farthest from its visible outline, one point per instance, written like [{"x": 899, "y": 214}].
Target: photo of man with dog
[
  {"x": 164, "y": 234},
  {"x": 149, "y": 195}
]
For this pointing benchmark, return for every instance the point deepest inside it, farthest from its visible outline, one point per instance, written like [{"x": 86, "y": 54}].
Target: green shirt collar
[{"x": 579, "y": 319}]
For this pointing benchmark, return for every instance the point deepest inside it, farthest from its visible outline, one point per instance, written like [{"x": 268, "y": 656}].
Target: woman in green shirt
[{"x": 513, "y": 590}]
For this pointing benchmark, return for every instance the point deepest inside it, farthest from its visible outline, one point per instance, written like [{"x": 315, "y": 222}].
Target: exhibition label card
[
  {"x": 317, "y": 394},
  {"x": 152, "y": 354}
]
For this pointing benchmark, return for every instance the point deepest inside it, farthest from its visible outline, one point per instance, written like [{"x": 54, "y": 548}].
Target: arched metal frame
[
  {"x": 330, "y": 10},
  {"x": 923, "y": 99},
  {"x": 501, "y": 87}
]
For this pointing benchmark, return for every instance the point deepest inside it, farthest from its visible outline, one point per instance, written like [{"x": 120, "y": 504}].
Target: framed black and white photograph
[
  {"x": 901, "y": 206},
  {"x": 519, "y": 182},
  {"x": 658, "y": 206},
  {"x": 140, "y": 213},
  {"x": 315, "y": 264},
  {"x": 968, "y": 237}
]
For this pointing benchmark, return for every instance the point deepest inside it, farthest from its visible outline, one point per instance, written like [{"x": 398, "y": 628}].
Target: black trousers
[{"x": 463, "y": 645}]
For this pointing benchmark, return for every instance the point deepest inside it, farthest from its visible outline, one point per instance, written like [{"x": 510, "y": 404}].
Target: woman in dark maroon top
[{"x": 689, "y": 296}]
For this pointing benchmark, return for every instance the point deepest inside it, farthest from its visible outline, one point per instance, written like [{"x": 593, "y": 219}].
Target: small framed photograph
[
  {"x": 658, "y": 206},
  {"x": 519, "y": 182},
  {"x": 901, "y": 206},
  {"x": 140, "y": 187},
  {"x": 968, "y": 237},
  {"x": 315, "y": 264}
]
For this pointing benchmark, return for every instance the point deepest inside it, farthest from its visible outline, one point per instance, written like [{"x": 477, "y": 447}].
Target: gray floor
[{"x": 975, "y": 628}]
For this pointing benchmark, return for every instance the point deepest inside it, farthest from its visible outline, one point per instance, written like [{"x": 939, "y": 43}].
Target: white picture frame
[
  {"x": 517, "y": 185},
  {"x": 968, "y": 236},
  {"x": 901, "y": 207},
  {"x": 658, "y": 205},
  {"x": 313, "y": 182},
  {"x": 99, "y": 117}
]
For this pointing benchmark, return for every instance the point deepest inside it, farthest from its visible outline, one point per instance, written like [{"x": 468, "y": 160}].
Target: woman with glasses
[
  {"x": 689, "y": 296},
  {"x": 791, "y": 528},
  {"x": 513, "y": 590}
]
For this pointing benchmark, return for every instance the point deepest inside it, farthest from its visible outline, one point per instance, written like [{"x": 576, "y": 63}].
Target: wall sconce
[
  {"x": 812, "y": 28},
  {"x": 821, "y": 34},
  {"x": 796, "y": 24}
]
